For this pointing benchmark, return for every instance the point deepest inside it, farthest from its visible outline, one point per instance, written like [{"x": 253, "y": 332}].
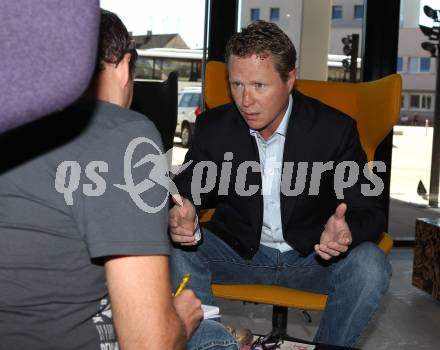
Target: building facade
[
  {"x": 417, "y": 68},
  {"x": 286, "y": 14}
]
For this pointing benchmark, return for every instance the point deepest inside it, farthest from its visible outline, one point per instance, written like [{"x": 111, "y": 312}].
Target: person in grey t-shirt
[{"x": 71, "y": 237}]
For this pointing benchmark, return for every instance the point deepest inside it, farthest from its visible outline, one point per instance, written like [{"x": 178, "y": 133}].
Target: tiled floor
[{"x": 408, "y": 318}]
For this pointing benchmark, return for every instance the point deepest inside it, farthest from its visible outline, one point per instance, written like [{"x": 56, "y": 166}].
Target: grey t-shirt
[{"x": 53, "y": 291}]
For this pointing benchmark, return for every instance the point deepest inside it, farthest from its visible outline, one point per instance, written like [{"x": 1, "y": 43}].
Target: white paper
[
  {"x": 210, "y": 311},
  {"x": 296, "y": 346}
]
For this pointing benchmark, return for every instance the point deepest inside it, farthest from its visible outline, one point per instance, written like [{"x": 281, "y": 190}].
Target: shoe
[{"x": 243, "y": 336}]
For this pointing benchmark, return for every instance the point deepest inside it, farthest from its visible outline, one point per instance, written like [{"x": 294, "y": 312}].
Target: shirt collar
[{"x": 282, "y": 128}]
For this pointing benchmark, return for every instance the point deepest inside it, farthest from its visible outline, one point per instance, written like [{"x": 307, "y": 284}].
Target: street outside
[{"x": 411, "y": 162}]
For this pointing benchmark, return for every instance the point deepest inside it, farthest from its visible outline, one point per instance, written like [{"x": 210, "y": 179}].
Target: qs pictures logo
[{"x": 68, "y": 176}]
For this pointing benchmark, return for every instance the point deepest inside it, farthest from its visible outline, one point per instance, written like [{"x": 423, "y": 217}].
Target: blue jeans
[
  {"x": 354, "y": 282},
  {"x": 212, "y": 335}
]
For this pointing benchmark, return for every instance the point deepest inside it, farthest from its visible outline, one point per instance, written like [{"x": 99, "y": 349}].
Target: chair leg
[
  {"x": 279, "y": 320},
  {"x": 279, "y": 325}
]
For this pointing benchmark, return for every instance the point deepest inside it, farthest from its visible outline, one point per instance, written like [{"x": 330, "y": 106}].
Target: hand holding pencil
[{"x": 188, "y": 306}]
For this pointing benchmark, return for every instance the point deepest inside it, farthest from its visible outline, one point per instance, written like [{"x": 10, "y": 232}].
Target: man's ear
[
  {"x": 291, "y": 78},
  {"x": 123, "y": 70}
]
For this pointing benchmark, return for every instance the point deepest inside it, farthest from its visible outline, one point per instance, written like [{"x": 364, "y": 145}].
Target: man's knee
[
  {"x": 212, "y": 335},
  {"x": 369, "y": 267}
]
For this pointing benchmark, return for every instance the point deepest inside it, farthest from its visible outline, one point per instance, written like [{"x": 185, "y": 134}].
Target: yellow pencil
[{"x": 182, "y": 284}]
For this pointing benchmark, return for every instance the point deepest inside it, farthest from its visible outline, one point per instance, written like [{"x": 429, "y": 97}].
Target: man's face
[{"x": 259, "y": 92}]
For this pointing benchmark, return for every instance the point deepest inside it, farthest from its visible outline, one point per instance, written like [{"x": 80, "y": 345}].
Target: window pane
[
  {"x": 275, "y": 14},
  {"x": 144, "y": 68},
  {"x": 183, "y": 68},
  {"x": 337, "y": 12},
  {"x": 194, "y": 100},
  {"x": 414, "y": 101},
  {"x": 425, "y": 64},
  {"x": 185, "y": 101},
  {"x": 358, "y": 11},
  {"x": 399, "y": 64},
  {"x": 426, "y": 102},
  {"x": 413, "y": 64},
  {"x": 255, "y": 14},
  {"x": 402, "y": 102}
]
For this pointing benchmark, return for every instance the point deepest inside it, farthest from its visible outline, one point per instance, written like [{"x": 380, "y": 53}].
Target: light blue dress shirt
[{"x": 271, "y": 160}]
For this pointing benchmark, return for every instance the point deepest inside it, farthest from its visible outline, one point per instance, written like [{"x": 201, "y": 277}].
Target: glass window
[
  {"x": 425, "y": 64},
  {"x": 413, "y": 66},
  {"x": 426, "y": 102},
  {"x": 402, "y": 101},
  {"x": 195, "y": 99},
  {"x": 358, "y": 11},
  {"x": 399, "y": 64},
  {"x": 421, "y": 102},
  {"x": 419, "y": 64},
  {"x": 144, "y": 68},
  {"x": 336, "y": 12},
  {"x": 185, "y": 100},
  {"x": 414, "y": 101},
  {"x": 274, "y": 14},
  {"x": 255, "y": 14}
]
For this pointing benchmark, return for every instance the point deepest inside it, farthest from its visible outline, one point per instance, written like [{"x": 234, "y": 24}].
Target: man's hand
[
  {"x": 182, "y": 220},
  {"x": 336, "y": 237},
  {"x": 189, "y": 309}
]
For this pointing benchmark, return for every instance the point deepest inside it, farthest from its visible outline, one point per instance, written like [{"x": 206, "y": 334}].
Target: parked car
[{"x": 189, "y": 107}]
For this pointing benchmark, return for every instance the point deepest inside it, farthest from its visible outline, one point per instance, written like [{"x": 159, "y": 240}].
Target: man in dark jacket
[{"x": 278, "y": 167}]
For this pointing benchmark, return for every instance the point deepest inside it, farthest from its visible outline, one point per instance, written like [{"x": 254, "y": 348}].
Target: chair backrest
[
  {"x": 374, "y": 105},
  {"x": 158, "y": 101},
  {"x": 48, "y": 56}
]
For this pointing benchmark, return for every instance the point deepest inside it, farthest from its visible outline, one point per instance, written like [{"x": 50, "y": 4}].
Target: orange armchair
[{"x": 375, "y": 106}]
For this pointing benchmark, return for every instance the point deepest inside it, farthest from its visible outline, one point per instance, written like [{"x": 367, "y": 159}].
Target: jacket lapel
[
  {"x": 248, "y": 151},
  {"x": 295, "y": 150}
]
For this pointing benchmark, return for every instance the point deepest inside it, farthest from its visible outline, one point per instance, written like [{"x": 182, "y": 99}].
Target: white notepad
[{"x": 210, "y": 311}]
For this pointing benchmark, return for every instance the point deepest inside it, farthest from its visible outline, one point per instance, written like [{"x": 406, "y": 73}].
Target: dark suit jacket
[{"x": 316, "y": 133}]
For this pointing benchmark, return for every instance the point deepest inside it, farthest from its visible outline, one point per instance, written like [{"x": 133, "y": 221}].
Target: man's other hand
[
  {"x": 182, "y": 221},
  {"x": 336, "y": 237}
]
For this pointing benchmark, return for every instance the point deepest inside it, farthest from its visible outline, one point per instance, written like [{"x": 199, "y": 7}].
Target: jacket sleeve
[{"x": 365, "y": 213}]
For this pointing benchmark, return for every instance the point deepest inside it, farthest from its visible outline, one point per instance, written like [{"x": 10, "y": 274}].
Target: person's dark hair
[
  {"x": 114, "y": 42},
  {"x": 263, "y": 38}
]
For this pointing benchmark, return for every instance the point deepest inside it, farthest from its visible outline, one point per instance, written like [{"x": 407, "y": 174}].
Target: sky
[{"x": 185, "y": 17}]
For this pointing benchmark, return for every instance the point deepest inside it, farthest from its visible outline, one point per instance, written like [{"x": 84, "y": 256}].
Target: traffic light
[
  {"x": 347, "y": 45},
  {"x": 433, "y": 33},
  {"x": 430, "y": 47},
  {"x": 431, "y": 13},
  {"x": 350, "y": 48},
  {"x": 433, "y": 47}
]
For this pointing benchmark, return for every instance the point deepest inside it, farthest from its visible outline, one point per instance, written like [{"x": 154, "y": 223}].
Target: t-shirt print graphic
[{"x": 104, "y": 325}]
